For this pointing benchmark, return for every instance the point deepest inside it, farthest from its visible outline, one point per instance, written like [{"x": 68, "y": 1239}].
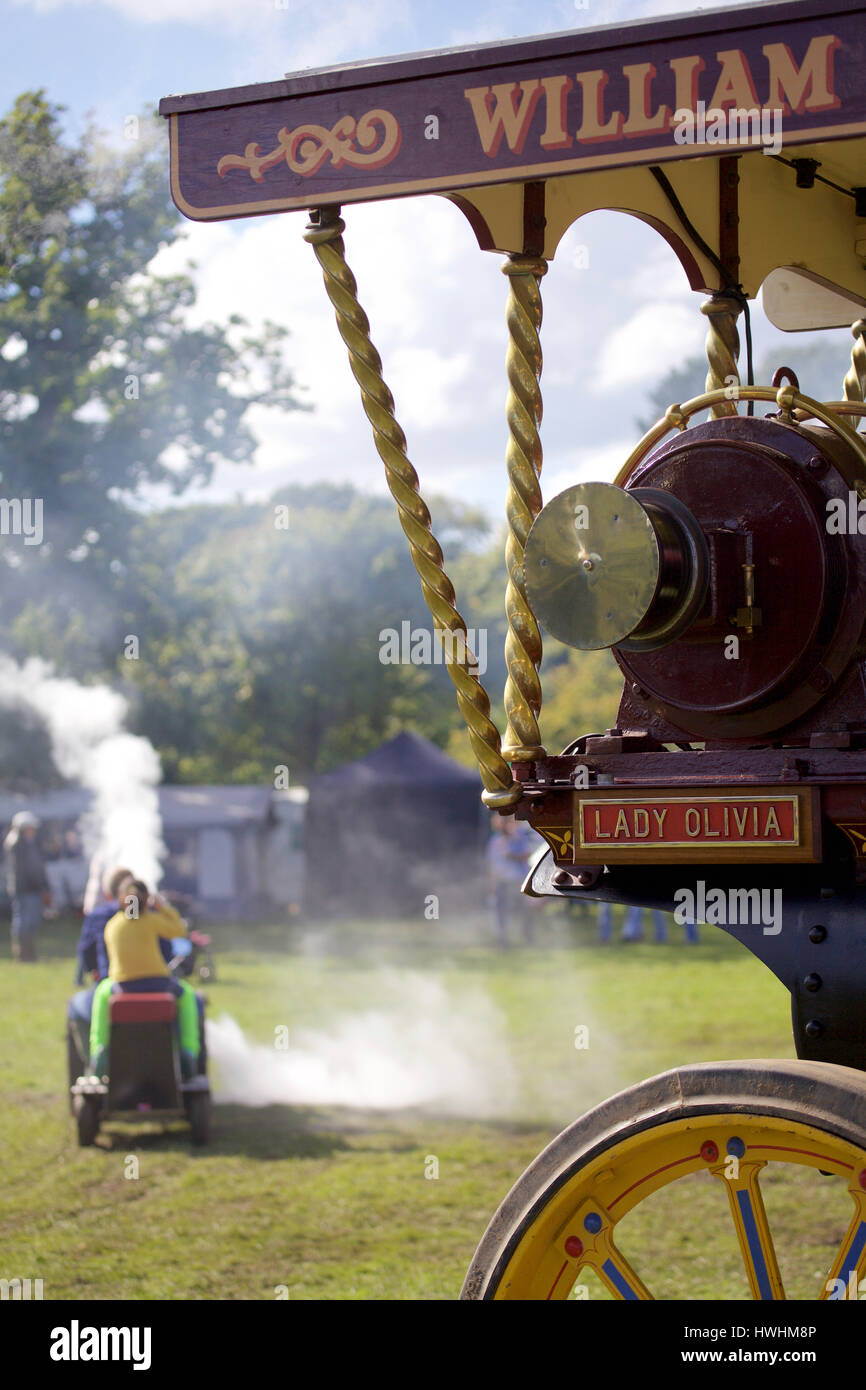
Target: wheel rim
[{"x": 572, "y": 1227}]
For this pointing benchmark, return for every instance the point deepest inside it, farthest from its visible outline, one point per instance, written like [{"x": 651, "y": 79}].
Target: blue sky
[
  {"x": 115, "y": 54},
  {"x": 435, "y": 301}
]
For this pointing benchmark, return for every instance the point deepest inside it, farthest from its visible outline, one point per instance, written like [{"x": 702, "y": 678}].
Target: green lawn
[{"x": 331, "y": 1200}]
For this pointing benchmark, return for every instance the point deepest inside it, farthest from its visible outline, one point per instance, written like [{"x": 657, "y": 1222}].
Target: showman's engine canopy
[{"x": 725, "y": 566}]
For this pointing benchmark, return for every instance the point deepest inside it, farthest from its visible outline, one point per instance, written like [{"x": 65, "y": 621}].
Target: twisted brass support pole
[
  {"x": 523, "y": 408},
  {"x": 723, "y": 349},
  {"x": 324, "y": 232},
  {"x": 854, "y": 385}
]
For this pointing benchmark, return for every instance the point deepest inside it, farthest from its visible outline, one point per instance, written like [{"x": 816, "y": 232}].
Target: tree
[
  {"x": 104, "y": 389},
  {"x": 820, "y": 366},
  {"x": 25, "y": 750},
  {"x": 279, "y": 655},
  {"x": 681, "y": 383},
  {"x": 581, "y": 696}
]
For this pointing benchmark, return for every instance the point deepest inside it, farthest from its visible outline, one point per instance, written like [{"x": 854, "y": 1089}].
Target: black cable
[
  {"x": 664, "y": 183},
  {"x": 730, "y": 287},
  {"x": 750, "y": 369},
  {"x": 818, "y": 178}
]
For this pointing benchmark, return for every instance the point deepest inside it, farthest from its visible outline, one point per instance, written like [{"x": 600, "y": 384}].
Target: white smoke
[
  {"x": 424, "y": 1049},
  {"x": 91, "y": 748}
]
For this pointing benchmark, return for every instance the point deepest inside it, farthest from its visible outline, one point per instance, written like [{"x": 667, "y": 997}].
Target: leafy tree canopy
[
  {"x": 820, "y": 368},
  {"x": 247, "y": 636},
  {"x": 104, "y": 388},
  {"x": 275, "y": 657}
]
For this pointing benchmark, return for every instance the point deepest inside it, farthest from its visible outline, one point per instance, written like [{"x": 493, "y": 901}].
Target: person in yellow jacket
[{"x": 136, "y": 965}]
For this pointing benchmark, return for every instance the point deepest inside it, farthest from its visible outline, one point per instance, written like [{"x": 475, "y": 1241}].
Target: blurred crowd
[{"x": 513, "y": 850}]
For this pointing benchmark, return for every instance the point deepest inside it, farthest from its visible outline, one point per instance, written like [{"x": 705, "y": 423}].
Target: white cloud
[
  {"x": 659, "y": 275},
  {"x": 161, "y": 11},
  {"x": 93, "y": 412},
  {"x": 430, "y": 295},
  {"x": 350, "y": 31},
  {"x": 437, "y": 309},
  {"x": 597, "y": 463},
  {"x": 356, "y": 18},
  {"x": 19, "y": 407},
  {"x": 14, "y": 347},
  {"x": 660, "y": 335},
  {"x": 291, "y": 34},
  {"x": 422, "y": 381},
  {"x": 512, "y": 18},
  {"x": 631, "y": 11}
]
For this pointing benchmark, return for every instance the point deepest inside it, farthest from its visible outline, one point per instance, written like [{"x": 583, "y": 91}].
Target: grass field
[{"x": 330, "y": 1200}]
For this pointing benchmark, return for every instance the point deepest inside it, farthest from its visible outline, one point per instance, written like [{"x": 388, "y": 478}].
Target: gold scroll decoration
[{"x": 370, "y": 143}]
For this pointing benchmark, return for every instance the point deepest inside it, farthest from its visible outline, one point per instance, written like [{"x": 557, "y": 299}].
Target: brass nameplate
[{"x": 701, "y": 825}]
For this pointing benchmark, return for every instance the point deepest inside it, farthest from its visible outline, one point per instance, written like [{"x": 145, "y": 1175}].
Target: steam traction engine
[
  {"x": 726, "y": 572},
  {"x": 725, "y": 567}
]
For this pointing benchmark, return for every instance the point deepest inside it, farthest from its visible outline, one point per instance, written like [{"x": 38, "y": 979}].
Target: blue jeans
[
  {"x": 632, "y": 929},
  {"x": 605, "y": 921},
  {"x": 26, "y": 913},
  {"x": 505, "y": 897},
  {"x": 81, "y": 1005},
  {"x": 660, "y": 924}
]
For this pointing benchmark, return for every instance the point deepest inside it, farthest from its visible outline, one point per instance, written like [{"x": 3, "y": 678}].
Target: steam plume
[
  {"x": 91, "y": 748},
  {"x": 422, "y": 1049}
]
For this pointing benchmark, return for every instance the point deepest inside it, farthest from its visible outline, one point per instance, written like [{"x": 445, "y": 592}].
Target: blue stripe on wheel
[
  {"x": 618, "y": 1280},
  {"x": 756, "y": 1250},
  {"x": 855, "y": 1250}
]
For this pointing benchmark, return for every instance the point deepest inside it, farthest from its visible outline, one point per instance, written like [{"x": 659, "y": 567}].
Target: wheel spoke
[
  {"x": 849, "y": 1266},
  {"x": 728, "y": 1121},
  {"x": 752, "y": 1227},
  {"x": 592, "y": 1229},
  {"x": 620, "y": 1277}
]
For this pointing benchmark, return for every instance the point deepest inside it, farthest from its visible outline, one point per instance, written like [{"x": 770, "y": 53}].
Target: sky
[{"x": 435, "y": 301}]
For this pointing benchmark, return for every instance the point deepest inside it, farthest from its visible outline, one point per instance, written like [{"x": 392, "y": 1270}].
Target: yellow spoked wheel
[{"x": 734, "y": 1121}]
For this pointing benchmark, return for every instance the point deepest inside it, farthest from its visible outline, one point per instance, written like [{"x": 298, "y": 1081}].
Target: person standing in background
[
  {"x": 507, "y": 868},
  {"x": 605, "y": 922},
  {"x": 633, "y": 926},
  {"x": 26, "y": 884}
]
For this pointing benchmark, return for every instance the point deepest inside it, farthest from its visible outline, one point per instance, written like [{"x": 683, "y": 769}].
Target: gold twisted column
[
  {"x": 523, "y": 456},
  {"x": 324, "y": 232},
  {"x": 854, "y": 385},
  {"x": 723, "y": 349}
]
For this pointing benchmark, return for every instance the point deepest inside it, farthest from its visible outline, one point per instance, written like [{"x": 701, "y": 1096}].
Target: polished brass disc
[{"x": 592, "y": 565}]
